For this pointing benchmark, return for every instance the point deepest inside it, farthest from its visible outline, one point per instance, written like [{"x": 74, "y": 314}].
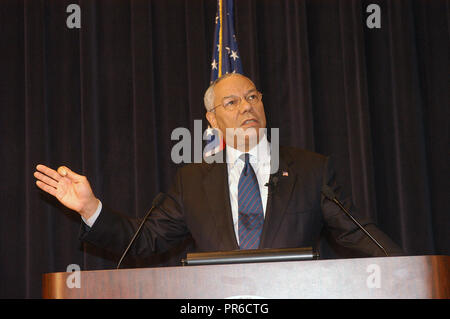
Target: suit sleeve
[
  {"x": 164, "y": 228},
  {"x": 342, "y": 228}
]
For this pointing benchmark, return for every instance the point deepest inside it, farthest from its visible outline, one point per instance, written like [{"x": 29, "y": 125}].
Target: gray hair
[{"x": 208, "y": 98}]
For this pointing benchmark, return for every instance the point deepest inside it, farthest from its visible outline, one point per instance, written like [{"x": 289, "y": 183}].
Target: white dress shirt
[{"x": 260, "y": 161}]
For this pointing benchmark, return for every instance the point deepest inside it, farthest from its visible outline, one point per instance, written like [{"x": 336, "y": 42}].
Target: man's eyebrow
[{"x": 228, "y": 96}]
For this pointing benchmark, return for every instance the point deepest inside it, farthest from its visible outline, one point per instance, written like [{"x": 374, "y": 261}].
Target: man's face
[{"x": 245, "y": 116}]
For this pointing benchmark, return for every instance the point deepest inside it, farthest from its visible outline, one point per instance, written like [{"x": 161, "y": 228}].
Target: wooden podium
[{"x": 381, "y": 277}]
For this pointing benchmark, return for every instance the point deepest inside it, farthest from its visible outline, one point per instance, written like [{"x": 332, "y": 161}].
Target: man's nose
[{"x": 244, "y": 106}]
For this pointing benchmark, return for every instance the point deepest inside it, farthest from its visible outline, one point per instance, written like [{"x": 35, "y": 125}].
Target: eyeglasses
[{"x": 230, "y": 103}]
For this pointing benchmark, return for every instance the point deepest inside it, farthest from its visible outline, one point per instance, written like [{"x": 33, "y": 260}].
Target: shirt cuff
[{"x": 91, "y": 220}]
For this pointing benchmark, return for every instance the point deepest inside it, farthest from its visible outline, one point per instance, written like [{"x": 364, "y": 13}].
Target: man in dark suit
[{"x": 239, "y": 204}]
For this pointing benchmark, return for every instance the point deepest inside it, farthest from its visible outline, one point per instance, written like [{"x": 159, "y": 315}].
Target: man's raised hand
[{"x": 71, "y": 189}]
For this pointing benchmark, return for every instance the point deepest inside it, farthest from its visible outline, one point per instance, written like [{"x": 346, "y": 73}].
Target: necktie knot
[{"x": 246, "y": 158}]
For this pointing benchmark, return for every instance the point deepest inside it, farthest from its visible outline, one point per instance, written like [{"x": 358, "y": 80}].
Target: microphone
[
  {"x": 329, "y": 194},
  {"x": 272, "y": 184},
  {"x": 156, "y": 202}
]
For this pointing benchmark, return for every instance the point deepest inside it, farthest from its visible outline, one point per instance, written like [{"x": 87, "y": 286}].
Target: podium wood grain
[{"x": 400, "y": 277}]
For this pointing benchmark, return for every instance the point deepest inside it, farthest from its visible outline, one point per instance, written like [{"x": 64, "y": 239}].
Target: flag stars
[
  {"x": 214, "y": 64},
  {"x": 234, "y": 55}
]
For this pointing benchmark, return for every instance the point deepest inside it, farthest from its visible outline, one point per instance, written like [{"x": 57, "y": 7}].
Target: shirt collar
[{"x": 258, "y": 154}]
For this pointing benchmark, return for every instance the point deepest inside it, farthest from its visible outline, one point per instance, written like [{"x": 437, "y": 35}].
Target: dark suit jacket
[{"x": 198, "y": 205}]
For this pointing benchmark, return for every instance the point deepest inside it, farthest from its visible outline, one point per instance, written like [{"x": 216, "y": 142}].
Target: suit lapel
[
  {"x": 215, "y": 185},
  {"x": 216, "y": 188},
  {"x": 278, "y": 201}
]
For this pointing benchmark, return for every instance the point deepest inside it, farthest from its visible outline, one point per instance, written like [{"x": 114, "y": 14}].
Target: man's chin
[{"x": 244, "y": 138}]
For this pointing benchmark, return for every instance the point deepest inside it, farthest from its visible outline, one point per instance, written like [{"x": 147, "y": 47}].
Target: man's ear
[{"x": 211, "y": 117}]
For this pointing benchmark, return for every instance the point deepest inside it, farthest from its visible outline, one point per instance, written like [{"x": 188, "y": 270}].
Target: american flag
[{"x": 225, "y": 59}]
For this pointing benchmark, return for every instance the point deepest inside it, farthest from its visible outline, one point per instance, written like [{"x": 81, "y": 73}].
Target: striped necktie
[{"x": 251, "y": 215}]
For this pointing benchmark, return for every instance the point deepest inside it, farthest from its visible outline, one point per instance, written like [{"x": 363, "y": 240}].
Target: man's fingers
[
  {"x": 46, "y": 188},
  {"x": 47, "y": 180},
  {"x": 65, "y": 171},
  {"x": 49, "y": 172}
]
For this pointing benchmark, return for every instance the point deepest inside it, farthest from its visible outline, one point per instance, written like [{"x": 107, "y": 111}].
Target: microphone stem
[
  {"x": 360, "y": 226},
  {"x": 133, "y": 239}
]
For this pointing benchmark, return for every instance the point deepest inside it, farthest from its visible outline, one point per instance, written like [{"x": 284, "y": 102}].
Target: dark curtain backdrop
[{"x": 105, "y": 98}]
